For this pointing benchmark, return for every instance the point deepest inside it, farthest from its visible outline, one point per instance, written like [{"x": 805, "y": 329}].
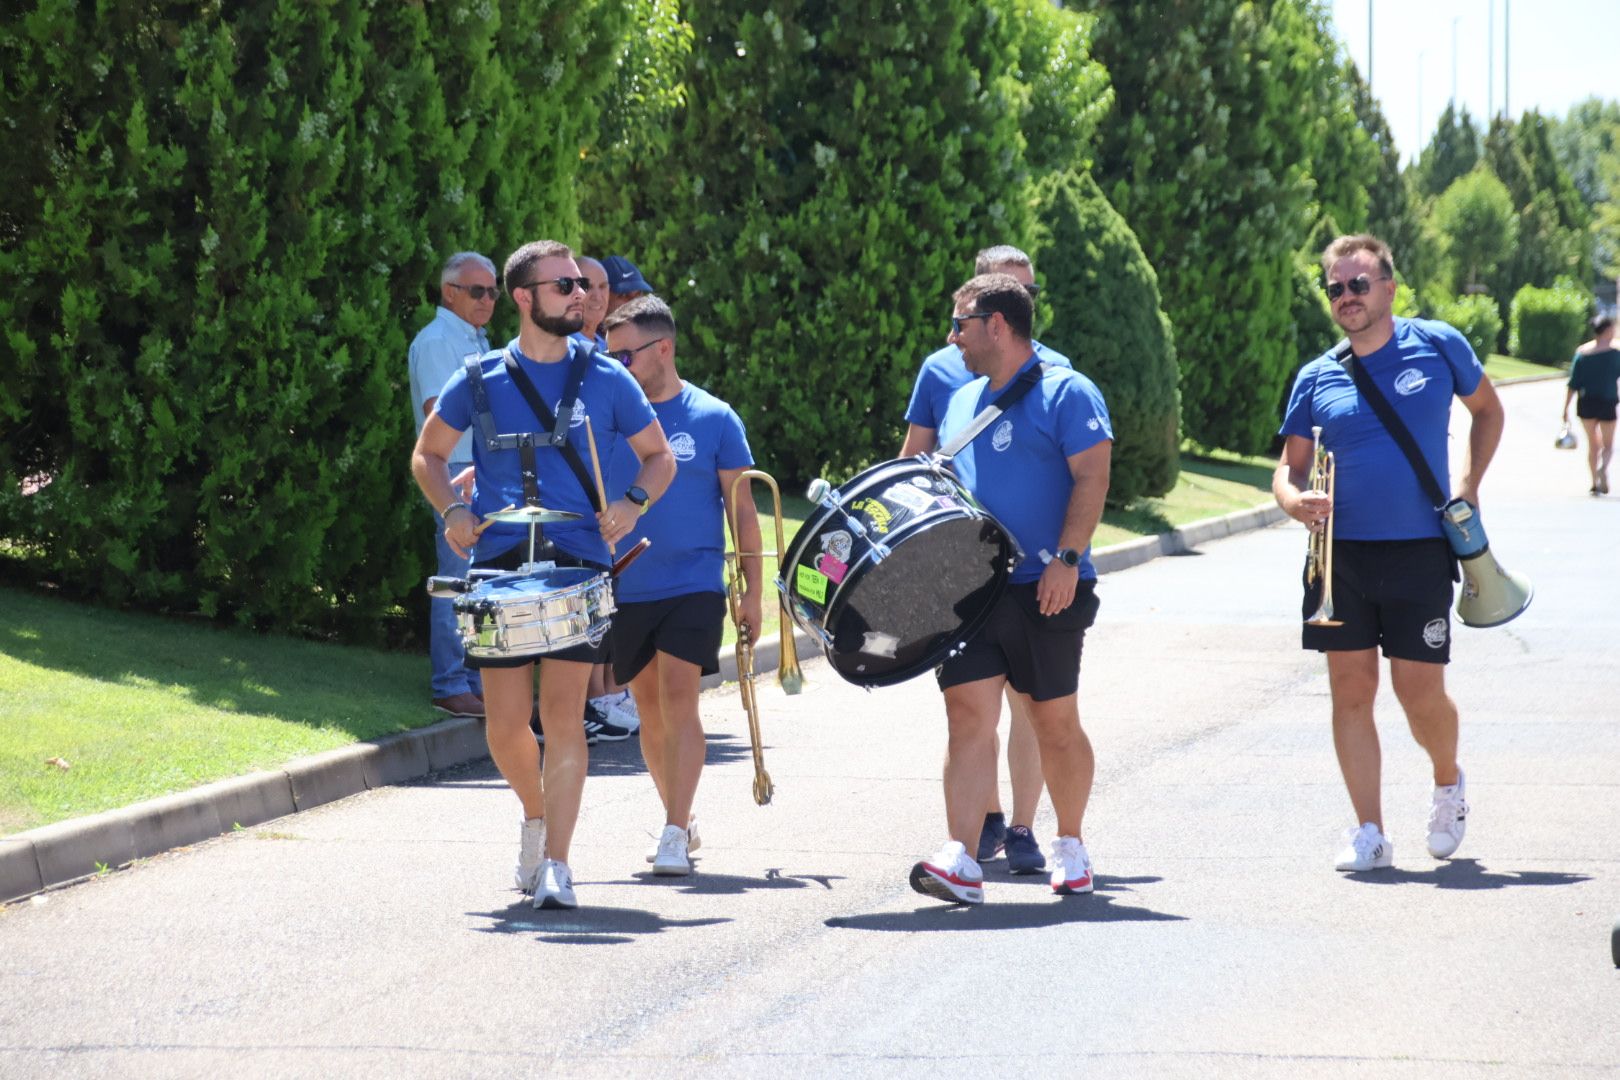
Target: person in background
[{"x": 1594, "y": 386}]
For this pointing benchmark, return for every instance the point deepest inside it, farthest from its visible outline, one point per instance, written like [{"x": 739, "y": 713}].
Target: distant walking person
[
  {"x": 1594, "y": 386},
  {"x": 467, "y": 294},
  {"x": 1392, "y": 567}
]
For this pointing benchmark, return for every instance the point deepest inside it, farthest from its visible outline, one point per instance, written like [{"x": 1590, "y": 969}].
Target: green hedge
[
  {"x": 1108, "y": 321},
  {"x": 1547, "y": 324},
  {"x": 221, "y": 232},
  {"x": 1477, "y": 319}
]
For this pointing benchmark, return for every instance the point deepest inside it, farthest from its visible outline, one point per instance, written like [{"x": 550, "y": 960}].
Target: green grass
[
  {"x": 139, "y": 706},
  {"x": 1500, "y": 367}
]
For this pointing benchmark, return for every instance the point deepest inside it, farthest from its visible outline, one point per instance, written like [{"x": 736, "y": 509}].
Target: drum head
[{"x": 899, "y": 616}]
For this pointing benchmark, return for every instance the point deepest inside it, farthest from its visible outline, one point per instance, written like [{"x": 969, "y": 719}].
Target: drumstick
[
  {"x": 630, "y": 556},
  {"x": 596, "y": 467},
  {"x": 478, "y": 530}
]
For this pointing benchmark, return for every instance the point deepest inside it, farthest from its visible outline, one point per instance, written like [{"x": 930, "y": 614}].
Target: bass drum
[{"x": 893, "y": 570}]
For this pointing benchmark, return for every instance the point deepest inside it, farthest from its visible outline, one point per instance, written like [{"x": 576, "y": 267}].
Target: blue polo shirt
[
  {"x": 436, "y": 354},
  {"x": 1018, "y": 467},
  {"x": 617, "y": 409},
  {"x": 1377, "y": 496},
  {"x": 943, "y": 374},
  {"x": 687, "y": 525}
]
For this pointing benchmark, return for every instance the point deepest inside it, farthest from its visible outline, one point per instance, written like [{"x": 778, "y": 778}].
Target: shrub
[
  {"x": 1476, "y": 318},
  {"x": 1547, "y": 324},
  {"x": 1108, "y": 321}
]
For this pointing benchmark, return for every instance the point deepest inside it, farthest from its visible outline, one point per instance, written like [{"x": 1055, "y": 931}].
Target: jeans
[{"x": 450, "y": 674}]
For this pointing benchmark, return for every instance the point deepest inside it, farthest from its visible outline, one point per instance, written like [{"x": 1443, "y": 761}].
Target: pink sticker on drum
[{"x": 832, "y": 567}]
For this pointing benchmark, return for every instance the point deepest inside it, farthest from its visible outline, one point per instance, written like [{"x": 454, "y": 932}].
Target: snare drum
[
  {"x": 519, "y": 615},
  {"x": 895, "y": 569}
]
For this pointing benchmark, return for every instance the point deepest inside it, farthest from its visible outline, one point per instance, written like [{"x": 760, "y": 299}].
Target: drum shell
[
  {"x": 534, "y": 614},
  {"x": 884, "y": 618}
]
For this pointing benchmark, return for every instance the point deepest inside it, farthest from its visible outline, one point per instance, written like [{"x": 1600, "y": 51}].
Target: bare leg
[
  {"x": 1066, "y": 756},
  {"x": 1594, "y": 448},
  {"x": 679, "y": 682},
  {"x": 1023, "y": 763},
  {"x": 971, "y": 710},
  {"x": 1430, "y": 713},
  {"x": 562, "y": 708},
  {"x": 508, "y": 701},
  {"x": 1353, "y": 677},
  {"x": 649, "y": 705},
  {"x": 1606, "y": 430}
]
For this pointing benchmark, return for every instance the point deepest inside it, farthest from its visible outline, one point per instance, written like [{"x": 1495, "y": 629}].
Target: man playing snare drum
[
  {"x": 1042, "y": 469},
  {"x": 546, "y": 284},
  {"x": 672, "y": 603}
]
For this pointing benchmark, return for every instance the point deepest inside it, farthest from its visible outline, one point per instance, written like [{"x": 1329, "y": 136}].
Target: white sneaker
[
  {"x": 951, "y": 875},
  {"x": 531, "y": 853},
  {"x": 1448, "y": 818},
  {"x": 1071, "y": 866},
  {"x": 556, "y": 886},
  {"x": 1368, "y": 849},
  {"x": 625, "y": 702},
  {"x": 672, "y": 857},
  {"x": 692, "y": 840},
  {"x": 611, "y": 706}
]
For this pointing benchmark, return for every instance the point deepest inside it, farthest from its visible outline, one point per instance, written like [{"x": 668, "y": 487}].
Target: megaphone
[{"x": 1491, "y": 595}]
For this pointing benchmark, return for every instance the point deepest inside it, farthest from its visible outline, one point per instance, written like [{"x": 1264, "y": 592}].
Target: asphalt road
[{"x": 379, "y": 936}]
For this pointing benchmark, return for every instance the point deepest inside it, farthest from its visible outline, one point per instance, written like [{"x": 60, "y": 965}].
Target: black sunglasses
[
  {"x": 478, "y": 292},
  {"x": 1033, "y": 288},
  {"x": 1359, "y": 285},
  {"x": 565, "y": 285},
  {"x": 627, "y": 356},
  {"x": 958, "y": 320}
]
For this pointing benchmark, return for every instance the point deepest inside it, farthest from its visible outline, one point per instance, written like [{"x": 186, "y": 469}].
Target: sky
[{"x": 1560, "y": 52}]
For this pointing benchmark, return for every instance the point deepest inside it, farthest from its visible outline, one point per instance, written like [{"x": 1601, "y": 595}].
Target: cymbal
[{"x": 531, "y": 515}]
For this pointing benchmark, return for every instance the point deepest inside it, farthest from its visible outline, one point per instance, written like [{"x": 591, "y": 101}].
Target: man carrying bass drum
[{"x": 1042, "y": 469}]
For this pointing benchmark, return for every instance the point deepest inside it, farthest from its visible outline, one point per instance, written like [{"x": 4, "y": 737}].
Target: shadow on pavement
[
  {"x": 1466, "y": 874},
  {"x": 583, "y": 925},
  {"x": 701, "y": 884},
  {"x": 1051, "y": 910},
  {"x": 621, "y": 758}
]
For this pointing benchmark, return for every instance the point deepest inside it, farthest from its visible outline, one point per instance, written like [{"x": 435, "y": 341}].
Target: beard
[{"x": 560, "y": 325}]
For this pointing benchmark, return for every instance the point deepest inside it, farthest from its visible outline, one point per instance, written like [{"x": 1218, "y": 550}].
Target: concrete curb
[{"x": 71, "y": 851}]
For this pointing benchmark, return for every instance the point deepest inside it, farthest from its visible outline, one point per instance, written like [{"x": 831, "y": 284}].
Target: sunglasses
[
  {"x": 958, "y": 320},
  {"x": 628, "y": 356},
  {"x": 1359, "y": 285},
  {"x": 565, "y": 285},
  {"x": 478, "y": 292},
  {"x": 1033, "y": 288}
]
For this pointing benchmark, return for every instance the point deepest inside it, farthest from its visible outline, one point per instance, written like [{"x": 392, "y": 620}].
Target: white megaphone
[{"x": 1491, "y": 595}]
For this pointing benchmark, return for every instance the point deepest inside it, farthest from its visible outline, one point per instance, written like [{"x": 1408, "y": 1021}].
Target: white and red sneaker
[
  {"x": 1071, "y": 866},
  {"x": 951, "y": 875}
]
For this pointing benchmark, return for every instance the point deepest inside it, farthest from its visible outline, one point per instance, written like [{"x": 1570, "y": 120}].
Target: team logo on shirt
[
  {"x": 579, "y": 416},
  {"x": 1434, "y": 633},
  {"x": 683, "y": 446},
  {"x": 1410, "y": 382},
  {"x": 1003, "y": 436},
  {"x": 1094, "y": 423}
]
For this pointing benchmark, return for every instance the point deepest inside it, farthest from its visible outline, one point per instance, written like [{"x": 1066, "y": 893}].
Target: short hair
[
  {"x": 648, "y": 312},
  {"x": 1000, "y": 255},
  {"x": 1601, "y": 322},
  {"x": 1002, "y": 294},
  {"x": 453, "y": 265},
  {"x": 520, "y": 264},
  {"x": 1349, "y": 245}
]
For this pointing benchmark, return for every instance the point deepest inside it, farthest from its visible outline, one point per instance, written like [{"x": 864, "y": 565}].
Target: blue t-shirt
[
  {"x": 609, "y": 396},
  {"x": 436, "y": 354},
  {"x": 1018, "y": 468},
  {"x": 1377, "y": 496},
  {"x": 687, "y": 525},
  {"x": 943, "y": 374}
]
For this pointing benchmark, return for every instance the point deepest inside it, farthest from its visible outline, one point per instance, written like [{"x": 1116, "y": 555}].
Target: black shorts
[
  {"x": 1588, "y": 407},
  {"x": 688, "y": 627},
  {"x": 1394, "y": 593},
  {"x": 511, "y": 559},
  {"x": 1038, "y": 654}
]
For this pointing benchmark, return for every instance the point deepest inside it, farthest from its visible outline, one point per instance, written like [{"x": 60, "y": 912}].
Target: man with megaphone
[{"x": 1382, "y": 403}]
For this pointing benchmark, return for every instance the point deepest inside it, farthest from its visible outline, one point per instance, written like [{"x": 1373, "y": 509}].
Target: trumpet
[
  {"x": 788, "y": 673},
  {"x": 1319, "y": 548}
]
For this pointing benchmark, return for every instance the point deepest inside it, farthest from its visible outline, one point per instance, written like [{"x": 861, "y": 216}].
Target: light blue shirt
[
  {"x": 436, "y": 354},
  {"x": 943, "y": 374}
]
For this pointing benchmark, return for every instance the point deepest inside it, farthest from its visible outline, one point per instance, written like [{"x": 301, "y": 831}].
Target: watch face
[{"x": 637, "y": 496}]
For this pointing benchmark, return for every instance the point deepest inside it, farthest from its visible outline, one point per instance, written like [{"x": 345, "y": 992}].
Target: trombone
[
  {"x": 1319, "y": 548},
  {"x": 788, "y": 674}
]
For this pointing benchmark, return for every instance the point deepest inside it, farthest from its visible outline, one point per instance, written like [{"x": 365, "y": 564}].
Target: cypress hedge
[{"x": 1547, "y": 324}]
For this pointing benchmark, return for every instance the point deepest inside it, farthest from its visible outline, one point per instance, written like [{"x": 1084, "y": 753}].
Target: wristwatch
[
  {"x": 637, "y": 496},
  {"x": 1068, "y": 557}
]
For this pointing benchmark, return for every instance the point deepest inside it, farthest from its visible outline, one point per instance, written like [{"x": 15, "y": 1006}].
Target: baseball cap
[{"x": 623, "y": 276}]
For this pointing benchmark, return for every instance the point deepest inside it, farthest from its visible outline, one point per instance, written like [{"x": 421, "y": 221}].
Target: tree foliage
[
  {"x": 1478, "y": 227},
  {"x": 1452, "y": 153},
  {"x": 1549, "y": 323}
]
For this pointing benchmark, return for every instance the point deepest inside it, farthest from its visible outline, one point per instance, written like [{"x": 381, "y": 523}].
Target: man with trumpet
[
  {"x": 1384, "y": 570},
  {"x": 542, "y": 370},
  {"x": 670, "y": 621}
]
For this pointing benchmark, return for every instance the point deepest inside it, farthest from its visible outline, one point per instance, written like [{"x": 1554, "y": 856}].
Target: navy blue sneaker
[
  {"x": 598, "y": 728},
  {"x": 992, "y": 836},
  {"x": 1023, "y": 853}
]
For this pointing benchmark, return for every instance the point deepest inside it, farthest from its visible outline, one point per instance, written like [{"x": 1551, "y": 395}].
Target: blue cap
[{"x": 623, "y": 276}]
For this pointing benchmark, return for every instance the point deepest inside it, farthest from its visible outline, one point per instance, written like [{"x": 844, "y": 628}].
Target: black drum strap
[
  {"x": 558, "y": 422},
  {"x": 1392, "y": 423},
  {"x": 1007, "y": 399}
]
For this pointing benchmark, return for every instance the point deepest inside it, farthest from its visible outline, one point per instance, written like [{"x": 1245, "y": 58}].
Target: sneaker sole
[
  {"x": 1075, "y": 888},
  {"x": 552, "y": 903},
  {"x": 928, "y": 881},
  {"x": 672, "y": 870}
]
